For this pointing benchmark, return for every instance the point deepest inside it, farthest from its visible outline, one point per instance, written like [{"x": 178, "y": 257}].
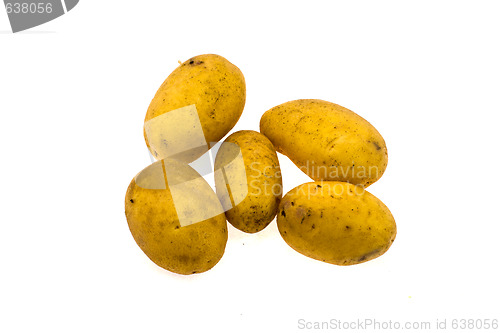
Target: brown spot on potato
[
  {"x": 369, "y": 255},
  {"x": 195, "y": 63}
]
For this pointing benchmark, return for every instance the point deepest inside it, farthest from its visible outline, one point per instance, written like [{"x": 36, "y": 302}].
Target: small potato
[
  {"x": 248, "y": 180},
  {"x": 176, "y": 218},
  {"x": 335, "y": 222},
  {"x": 326, "y": 141},
  {"x": 194, "y": 108}
]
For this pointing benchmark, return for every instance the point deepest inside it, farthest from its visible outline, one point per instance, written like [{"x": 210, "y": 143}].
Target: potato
[
  {"x": 248, "y": 180},
  {"x": 326, "y": 141},
  {"x": 335, "y": 222},
  {"x": 176, "y": 218},
  {"x": 196, "y": 106}
]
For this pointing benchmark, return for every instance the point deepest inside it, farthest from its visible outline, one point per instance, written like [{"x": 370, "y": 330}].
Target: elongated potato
[
  {"x": 248, "y": 180},
  {"x": 335, "y": 222},
  {"x": 326, "y": 141},
  {"x": 176, "y": 218},
  {"x": 196, "y": 106}
]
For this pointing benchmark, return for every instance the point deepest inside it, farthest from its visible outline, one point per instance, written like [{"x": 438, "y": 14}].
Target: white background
[{"x": 73, "y": 95}]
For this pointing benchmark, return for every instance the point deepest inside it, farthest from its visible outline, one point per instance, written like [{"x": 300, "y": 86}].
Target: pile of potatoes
[{"x": 180, "y": 222}]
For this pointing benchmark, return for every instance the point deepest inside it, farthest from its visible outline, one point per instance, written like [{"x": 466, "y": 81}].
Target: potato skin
[
  {"x": 214, "y": 85},
  {"x": 335, "y": 222},
  {"x": 154, "y": 221},
  {"x": 257, "y": 181},
  {"x": 326, "y": 141}
]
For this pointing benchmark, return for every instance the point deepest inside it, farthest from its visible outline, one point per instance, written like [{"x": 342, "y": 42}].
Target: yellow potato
[
  {"x": 326, "y": 141},
  {"x": 176, "y": 218},
  {"x": 248, "y": 180},
  {"x": 196, "y": 106},
  {"x": 335, "y": 222}
]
